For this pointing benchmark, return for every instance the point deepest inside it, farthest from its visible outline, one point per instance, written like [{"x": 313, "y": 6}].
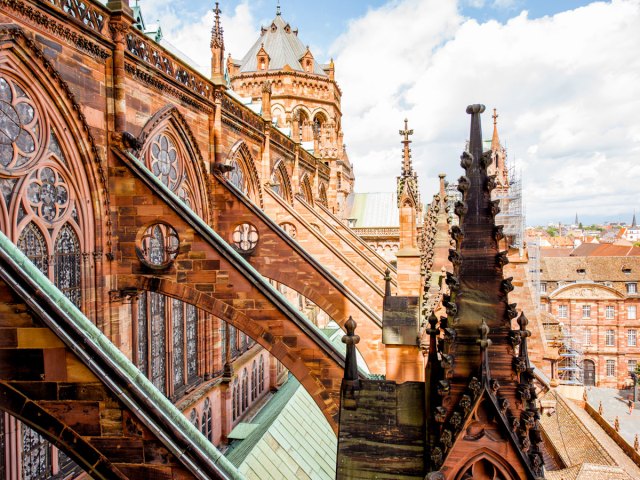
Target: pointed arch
[
  {"x": 322, "y": 195},
  {"x": 302, "y": 125},
  {"x": 486, "y": 465},
  {"x": 171, "y": 152},
  {"x": 65, "y": 141},
  {"x": 244, "y": 176},
  {"x": 305, "y": 189},
  {"x": 280, "y": 182}
]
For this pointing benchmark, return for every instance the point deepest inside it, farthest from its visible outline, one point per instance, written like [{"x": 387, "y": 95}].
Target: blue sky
[{"x": 563, "y": 74}]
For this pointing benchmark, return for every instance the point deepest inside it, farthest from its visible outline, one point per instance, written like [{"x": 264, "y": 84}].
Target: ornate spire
[
  {"x": 495, "y": 140},
  {"x": 407, "y": 169},
  {"x": 633, "y": 221},
  {"x": 217, "y": 39},
  {"x": 278, "y": 13}
]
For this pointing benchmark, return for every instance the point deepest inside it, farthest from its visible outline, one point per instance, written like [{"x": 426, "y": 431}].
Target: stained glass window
[
  {"x": 207, "y": 425},
  {"x": 66, "y": 265},
  {"x": 178, "y": 343},
  {"x": 261, "y": 375},
  {"x": 158, "y": 341},
  {"x": 237, "y": 178},
  {"x": 245, "y": 237},
  {"x": 254, "y": 381},
  {"x": 19, "y": 126},
  {"x": 48, "y": 194},
  {"x": 159, "y": 245},
  {"x": 36, "y": 455},
  {"x": 236, "y": 399},
  {"x": 164, "y": 160},
  {"x": 232, "y": 341},
  {"x": 245, "y": 390},
  {"x": 193, "y": 417},
  {"x": 34, "y": 246},
  {"x": 223, "y": 342},
  {"x": 192, "y": 342},
  {"x": 143, "y": 346}
]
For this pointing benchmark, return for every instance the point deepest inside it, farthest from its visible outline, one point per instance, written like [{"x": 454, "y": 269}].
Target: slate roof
[
  {"x": 379, "y": 209},
  {"x": 597, "y": 269},
  {"x": 292, "y": 439},
  {"x": 283, "y": 47}
]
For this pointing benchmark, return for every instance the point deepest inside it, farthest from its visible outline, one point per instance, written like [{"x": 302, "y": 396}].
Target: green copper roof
[
  {"x": 292, "y": 440},
  {"x": 137, "y": 383},
  {"x": 378, "y": 209}
]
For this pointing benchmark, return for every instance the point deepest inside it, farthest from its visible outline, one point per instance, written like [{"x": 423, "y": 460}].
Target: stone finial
[
  {"x": 616, "y": 424},
  {"x": 484, "y": 341},
  {"x": 636, "y": 443},
  {"x": 495, "y": 140},
  {"x": 351, "y": 340},
  {"x": 600, "y": 409},
  {"x": 387, "y": 283},
  {"x": 407, "y": 169}
]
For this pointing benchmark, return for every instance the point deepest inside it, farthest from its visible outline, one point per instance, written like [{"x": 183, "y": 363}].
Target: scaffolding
[
  {"x": 570, "y": 363},
  {"x": 533, "y": 250},
  {"x": 511, "y": 215}
]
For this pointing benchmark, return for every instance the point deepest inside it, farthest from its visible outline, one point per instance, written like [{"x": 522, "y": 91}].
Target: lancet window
[
  {"x": 261, "y": 374},
  {"x": 207, "y": 422},
  {"x": 163, "y": 320}
]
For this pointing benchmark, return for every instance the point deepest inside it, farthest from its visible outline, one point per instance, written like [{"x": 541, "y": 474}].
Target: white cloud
[
  {"x": 191, "y": 33},
  {"x": 567, "y": 88}
]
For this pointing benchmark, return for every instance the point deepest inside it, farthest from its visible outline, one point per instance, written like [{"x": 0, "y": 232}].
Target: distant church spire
[
  {"x": 407, "y": 169},
  {"x": 217, "y": 39},
  {"x": 576, "y": 221},
  {"x": 633, "y": 221},
  {"x": 495, "y": 140},
  {"x": 217, "y": 48}
]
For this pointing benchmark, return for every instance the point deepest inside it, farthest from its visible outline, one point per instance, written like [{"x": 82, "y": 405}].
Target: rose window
[
  {"x": 159, "y": 245},
  {"x": 48, "y": 194},
  {"x": 245, "y": 238},
  {"x": 290, "y": 229},
  {"x": 19, "y": 126},
  {"x": 164, "y": 161}
]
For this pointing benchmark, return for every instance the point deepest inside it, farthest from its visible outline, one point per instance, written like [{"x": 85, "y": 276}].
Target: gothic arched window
[
  {"x": 207, "y": 425},
  {"x": 158, "y": 341},
  {"x": 66, "y": 264},
  {"x": 261, "y": 374},
  {"x": 34, "y": 246},
  {"x": 192, "y": 342},
  {"x": 245, "y": 390},
  {"x": 254, "y": 381},
  {"x": 178, "y": 343},
  {"x": 193, "y": 418},
  {"x": 36, "y": 455},
  {"x": 237, "y": 177},
  {"x": 236, "y": 399}
]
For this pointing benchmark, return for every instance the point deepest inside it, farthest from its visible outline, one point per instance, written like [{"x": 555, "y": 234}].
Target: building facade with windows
[{"x": 596, "y": 300}]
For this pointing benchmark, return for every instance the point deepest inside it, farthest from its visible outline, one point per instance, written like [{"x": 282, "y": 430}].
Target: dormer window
[
  {"x": 308, "y": 66},
  {"x": 262, "y": 58}
]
